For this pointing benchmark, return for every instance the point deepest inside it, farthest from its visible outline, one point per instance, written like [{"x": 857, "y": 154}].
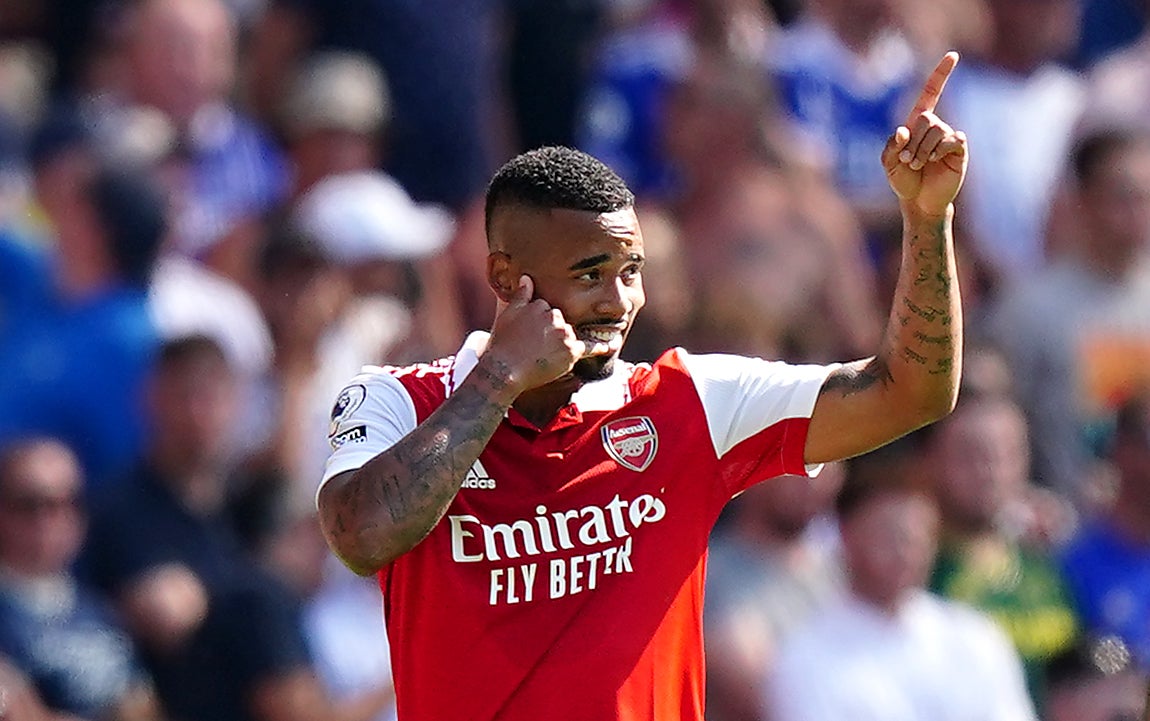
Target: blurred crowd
[{"x": 214, "y": 212}]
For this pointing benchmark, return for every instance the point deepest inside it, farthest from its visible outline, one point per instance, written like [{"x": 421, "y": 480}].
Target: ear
[{"x": 502, "y": 275}]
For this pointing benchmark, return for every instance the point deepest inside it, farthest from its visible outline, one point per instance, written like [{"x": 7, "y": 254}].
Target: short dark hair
[
  {"x": 180, "y": 349},
  {"x": 1094, "y": 150},
  {"x": 556, "y": 177}
]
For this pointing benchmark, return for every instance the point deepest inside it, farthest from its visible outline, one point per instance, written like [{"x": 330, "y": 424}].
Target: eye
[
  {"x": 590, "y": 276},
  {"x": 631, "y": 273}
]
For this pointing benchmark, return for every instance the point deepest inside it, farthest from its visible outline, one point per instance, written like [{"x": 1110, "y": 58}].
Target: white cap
[
  {"x": 337, "y": 90},
  {"x": 364, "y": 216}
]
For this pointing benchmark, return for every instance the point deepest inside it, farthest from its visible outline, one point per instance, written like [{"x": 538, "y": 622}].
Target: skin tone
[
  {"x": 565, "y": 307},
  {"x": 889, "y": 544},
  {"x": 982, "y": 462},
  {"x": 41, "y": 519},
  {"x": 1115, "y": 209},
  {"x": 42, "y": 525}
]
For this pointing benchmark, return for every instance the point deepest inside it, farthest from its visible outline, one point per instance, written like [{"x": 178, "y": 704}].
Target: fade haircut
[{"x": 556, "y": 177}]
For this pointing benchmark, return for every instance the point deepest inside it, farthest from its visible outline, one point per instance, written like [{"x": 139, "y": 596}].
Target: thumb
[{"x": 523, "y": 294}]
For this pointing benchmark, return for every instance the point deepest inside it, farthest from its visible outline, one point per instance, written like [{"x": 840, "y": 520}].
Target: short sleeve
[
  {"x": 370, "y": 415},
  {"x": 743, "y": 396}
]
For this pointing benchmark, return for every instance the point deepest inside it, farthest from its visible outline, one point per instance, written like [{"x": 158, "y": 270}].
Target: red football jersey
[{"x": 565, "y": 580}]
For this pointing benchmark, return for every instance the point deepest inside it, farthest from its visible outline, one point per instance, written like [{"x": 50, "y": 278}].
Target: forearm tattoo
[
  {"x": 395, "y": 499},
  {"x": 924, "y": 333},
  {"x": 927, "y": 327}
]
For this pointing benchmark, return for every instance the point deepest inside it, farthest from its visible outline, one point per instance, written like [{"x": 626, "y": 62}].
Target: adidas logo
[{"x": 478, "y": 478}]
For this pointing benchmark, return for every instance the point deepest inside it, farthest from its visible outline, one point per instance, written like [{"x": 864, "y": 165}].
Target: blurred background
[{"x": 213, "y": 212}]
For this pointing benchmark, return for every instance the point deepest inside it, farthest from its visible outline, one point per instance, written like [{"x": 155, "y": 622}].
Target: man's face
[
  {"x": 585, "y": 264},
  {"x": 1117, "y": 202},
  {"x": 889, "y": 544},
  {"x": 41, "y": 515},
  {"x": 982, "y": 464},
  {"x": 193, "y": 406}
]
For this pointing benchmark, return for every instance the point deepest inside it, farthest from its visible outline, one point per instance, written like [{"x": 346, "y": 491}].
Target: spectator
[
  {"x": 845, "y": 72},
  {"x": 1011, "y": 191},
  {"x": 770, "y": 243},
  {"x": 1115, "y": 87},
  {"x": 1077, "y": 332},
  {"x": 180, "y": 59},
  {"x": 53, "y": 628},
  {"x": 989, "y": 557},
  {"x": 334, "y": 117},
  {"x": 644, "y": 50},
  {"x": 1096, "y": 682},
  {"x": 1108, "y": 563},
  {"x": 221, "y": 636},
  {"x": 340, "y": 290},
  {"x": 771, "y": 566},
  {"x": 76, "y": 343},
  {"x": 889, "y": 649},
  {"x": 439, "y": 60}
]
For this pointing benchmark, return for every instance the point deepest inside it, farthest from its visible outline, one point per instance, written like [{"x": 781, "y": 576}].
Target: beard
[{"x": 593, "y": 369}]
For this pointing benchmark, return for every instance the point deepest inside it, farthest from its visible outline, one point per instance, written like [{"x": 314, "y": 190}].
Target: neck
[
  {"x": 198, "y": 485},
  {"x": 539, "y": 405},
  {"x": 886, "y": 603}
]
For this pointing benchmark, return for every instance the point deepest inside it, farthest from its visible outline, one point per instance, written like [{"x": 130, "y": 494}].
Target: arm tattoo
[
  {"x": 851, "y": 379},
  {"x": 394, "y": 500},
  {"x": 925, "y": 332}
]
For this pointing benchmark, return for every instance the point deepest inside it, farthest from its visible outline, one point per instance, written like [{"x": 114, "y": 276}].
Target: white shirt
[
  {"x": 1009, "y": 190},
  {"x": 934, "y": 660}
]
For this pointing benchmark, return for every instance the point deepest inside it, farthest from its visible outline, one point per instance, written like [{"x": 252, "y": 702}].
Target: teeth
[{"x": 605, "y": 336}]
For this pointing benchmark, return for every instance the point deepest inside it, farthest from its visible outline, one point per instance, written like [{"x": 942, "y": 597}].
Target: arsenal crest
[{"x": 632, "y": 442}]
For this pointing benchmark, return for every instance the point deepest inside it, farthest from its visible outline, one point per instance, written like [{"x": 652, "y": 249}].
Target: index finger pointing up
[{"x": 932, "y": 89}]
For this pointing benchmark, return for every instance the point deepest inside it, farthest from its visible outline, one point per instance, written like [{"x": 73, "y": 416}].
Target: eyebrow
[{"x": 600, "y": 259}]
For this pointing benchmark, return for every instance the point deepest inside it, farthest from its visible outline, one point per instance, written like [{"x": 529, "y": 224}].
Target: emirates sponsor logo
[
  {"x": 600, "y": 534},
  {"x": 548, "y": 532},
  {"x": 632, "y": 442}
]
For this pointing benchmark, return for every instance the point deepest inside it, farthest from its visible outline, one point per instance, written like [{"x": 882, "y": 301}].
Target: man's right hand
[{"x": 534, "y": 342}]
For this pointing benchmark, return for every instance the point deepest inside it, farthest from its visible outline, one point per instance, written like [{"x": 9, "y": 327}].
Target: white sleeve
[
  {"x": 742, "y": 396},
  {"x": 370, "y": 415}
]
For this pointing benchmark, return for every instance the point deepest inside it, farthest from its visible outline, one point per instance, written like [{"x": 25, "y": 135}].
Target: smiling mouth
[{"x": 601, "y": 335}]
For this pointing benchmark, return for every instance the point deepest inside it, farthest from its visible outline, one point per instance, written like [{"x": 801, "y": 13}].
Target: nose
[{"x": 615, "y": 301}]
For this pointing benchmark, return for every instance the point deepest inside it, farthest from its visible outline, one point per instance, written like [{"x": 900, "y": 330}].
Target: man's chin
[{"x": 593, "y": 369}]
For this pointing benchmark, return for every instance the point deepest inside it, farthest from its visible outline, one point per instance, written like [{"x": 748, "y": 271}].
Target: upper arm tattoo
[{"x": 855, "y": 377}]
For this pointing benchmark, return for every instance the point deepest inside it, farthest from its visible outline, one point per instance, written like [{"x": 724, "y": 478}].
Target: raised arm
[
  {"x": 913, "y": 379},
  {"x": 373, "y": 515}
]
